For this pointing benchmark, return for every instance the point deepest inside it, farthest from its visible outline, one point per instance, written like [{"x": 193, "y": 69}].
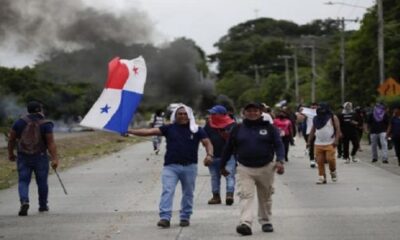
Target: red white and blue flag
[{"x": 122, "y": 94}]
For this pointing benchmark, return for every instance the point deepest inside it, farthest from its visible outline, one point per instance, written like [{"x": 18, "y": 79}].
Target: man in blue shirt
[
  {"x": 33, "y": 158},
  {"x": 254, "y": 143},
  {"x": 180, "y": 162}
]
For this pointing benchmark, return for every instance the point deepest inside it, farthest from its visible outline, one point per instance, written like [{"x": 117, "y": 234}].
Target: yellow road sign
[{"x": 389, "y": 88}]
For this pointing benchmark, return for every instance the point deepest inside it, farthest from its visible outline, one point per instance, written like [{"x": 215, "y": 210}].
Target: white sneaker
[
  {"x": 334, "y": 176},
  {"x": 354, "y": 159},
  {"x": 347, "y": 160},
  {"x": 321, "y": 180},
  {"x": 312, "y": 164}
]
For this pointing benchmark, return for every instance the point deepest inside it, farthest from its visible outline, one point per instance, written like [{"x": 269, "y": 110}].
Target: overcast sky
[{"x": 205, "y": 21}]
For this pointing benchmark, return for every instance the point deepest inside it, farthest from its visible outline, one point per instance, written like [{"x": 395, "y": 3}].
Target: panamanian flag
[{"x": 114, "y": 109}]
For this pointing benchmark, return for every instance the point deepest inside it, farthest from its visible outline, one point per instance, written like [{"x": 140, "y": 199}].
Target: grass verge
[{"x": 72, "y": 151}]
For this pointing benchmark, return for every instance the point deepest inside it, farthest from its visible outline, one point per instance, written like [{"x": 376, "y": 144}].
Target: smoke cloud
[
  {"x": 76, "y": 42},
  {"x": 44, "y": 25}
]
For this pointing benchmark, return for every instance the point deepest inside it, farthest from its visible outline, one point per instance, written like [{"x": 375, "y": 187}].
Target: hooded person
[
  {"x": 218, "y": 128},
  {"x": 378, "y": 123},
  {"x": 326, "y": 131},
  {"x": 183, "y": 136},
  {"x": 349, "y": 122}
]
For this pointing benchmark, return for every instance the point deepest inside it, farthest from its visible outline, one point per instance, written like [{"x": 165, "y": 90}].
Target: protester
[
  {"x": 326, "y": 130},
  {"x": 180, "y": 162},
  {"x": 284, "y": 125},
  {"x": 360, "y": 126},
  {"x": 378, "y": 122},
  {"x": 349, "y": 123},
  {"x": 310, "y": 114},
  {"x": 266, "y": 113},
  {"x": 217, "y": 128},
  {"x": 393, "y": 131},
  {"x": 254, "y": 142},
  {"x": 157, "y": 120},
  {"x": 33, "y": 136}
]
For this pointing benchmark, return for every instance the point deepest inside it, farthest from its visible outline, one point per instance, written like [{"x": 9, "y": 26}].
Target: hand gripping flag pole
[{"x": 62, "y": 185}]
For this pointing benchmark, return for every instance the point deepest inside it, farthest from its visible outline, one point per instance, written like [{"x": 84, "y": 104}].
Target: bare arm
[
  {"x": 143, "y": 132},
  {"x": 51, "y": 146},
  {"x": 338, "y": 133},
  {"x": 209, "y": 151},
  {"x": 12, "y": 140},
  {"x": 311, "y": 136}
]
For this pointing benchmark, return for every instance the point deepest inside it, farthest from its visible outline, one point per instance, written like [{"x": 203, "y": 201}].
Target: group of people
[
  {"x": 247, "y": 153},
  {"x": 244, "y": 150},
  {"x": 327, "y": 133}
]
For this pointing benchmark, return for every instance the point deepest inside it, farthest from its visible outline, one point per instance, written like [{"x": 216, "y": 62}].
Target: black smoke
[{"x": 43, "y": 25}]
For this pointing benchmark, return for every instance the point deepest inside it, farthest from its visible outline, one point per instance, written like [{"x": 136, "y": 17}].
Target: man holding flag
[{"x": 180, "y": 162}]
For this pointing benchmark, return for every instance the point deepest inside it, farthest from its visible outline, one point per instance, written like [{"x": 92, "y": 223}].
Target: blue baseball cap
[{"x": 218, "y": 109}]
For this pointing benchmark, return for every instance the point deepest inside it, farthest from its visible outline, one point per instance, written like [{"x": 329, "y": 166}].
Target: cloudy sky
[{"x": 205, "y": 21}]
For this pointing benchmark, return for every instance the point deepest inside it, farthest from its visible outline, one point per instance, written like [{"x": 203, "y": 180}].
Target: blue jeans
[
  {"x": 215, "y": 172},
  {"x": 39, "y": 164},
  {"x": 375, "y": 137},
  {"x": 171, "y": 175}
]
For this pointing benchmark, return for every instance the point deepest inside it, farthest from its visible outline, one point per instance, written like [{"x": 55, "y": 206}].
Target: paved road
[{"x": 116, "y": 197}]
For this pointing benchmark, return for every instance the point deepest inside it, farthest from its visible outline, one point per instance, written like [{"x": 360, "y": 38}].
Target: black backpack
[{"x": 31, "y": 140}]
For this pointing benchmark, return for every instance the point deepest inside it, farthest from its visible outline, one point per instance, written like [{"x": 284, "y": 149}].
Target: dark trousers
[
  {"x": 396, "y": 144},
  {"x": 39, "y": 164},
  {"x": 353, "y": 138},
  {"x": 311, "y": 148},
  {"x": 286, "y": 142}
]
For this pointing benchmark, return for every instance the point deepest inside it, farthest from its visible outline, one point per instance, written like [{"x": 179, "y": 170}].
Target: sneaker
[
  {"x": 312, "y": 163},
  {"x": 23, "y": 211},
  {"x": 184, "y": 223},
  {"x": 354, "y": 159},
  {"x": 164, "y": 223},
  {"x": 385, "y": 161},
  {"x": 157, "y": 151},
  {"x": 267, "y": 227},
  {"x": 321, "y": 180},
  {"x": 347, "y": 161},
  {"x": 374, "y": 160},
  {"x": 44, "y": 209},
  {"x": 334, "y": 176},
  {"x": 229, "y": 198},
  {"x": 243, "y": 229}
]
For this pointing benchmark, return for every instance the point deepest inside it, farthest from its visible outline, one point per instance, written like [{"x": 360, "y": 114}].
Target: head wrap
[
  {"x": 379, "y": 112},
  {"x": 192, "y": 121},
  {"x": 347, "y": 107},
  {"x": 323, "y": 115}
]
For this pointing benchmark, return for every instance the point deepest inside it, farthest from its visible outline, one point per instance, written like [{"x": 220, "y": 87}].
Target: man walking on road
[
  {"x": 349, "y": 122},
  {"x": 217, "y": 128},
  {"x": 33, "y": 136},
  {"x": 180, "y": 162},
  {"x": 326, "y": 130},
  {"x": 378, "y": 122},
  {"x": 254, "y": 143}
]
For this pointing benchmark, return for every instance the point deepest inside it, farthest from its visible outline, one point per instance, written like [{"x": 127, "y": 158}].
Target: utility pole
[
  {"x": 343, "y": 57},
  {"x": 296, "y": 77},
  {"x": 286, "y": 58},
  {"x": 381, "y": 44},
  {"x": 256, "y": 74},
  {"x": 314, "y": 73}
]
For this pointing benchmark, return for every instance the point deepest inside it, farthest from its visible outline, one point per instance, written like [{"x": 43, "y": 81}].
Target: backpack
[{"x": 31, "y": 140}]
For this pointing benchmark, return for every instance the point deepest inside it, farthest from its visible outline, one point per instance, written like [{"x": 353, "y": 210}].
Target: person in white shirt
[{"x": 326, "y": 130}]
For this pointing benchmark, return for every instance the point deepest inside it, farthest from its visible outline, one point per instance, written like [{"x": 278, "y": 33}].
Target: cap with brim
[
  {"x": 252, "y": 105},
  {"x": 217, "y": 109},
  {"x": 34, "y": 107}
]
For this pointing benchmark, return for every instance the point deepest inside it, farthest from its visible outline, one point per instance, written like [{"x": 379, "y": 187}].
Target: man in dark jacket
[
  {"x": 254, "y": 143},
  {"x": 32, "y": 154}
]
